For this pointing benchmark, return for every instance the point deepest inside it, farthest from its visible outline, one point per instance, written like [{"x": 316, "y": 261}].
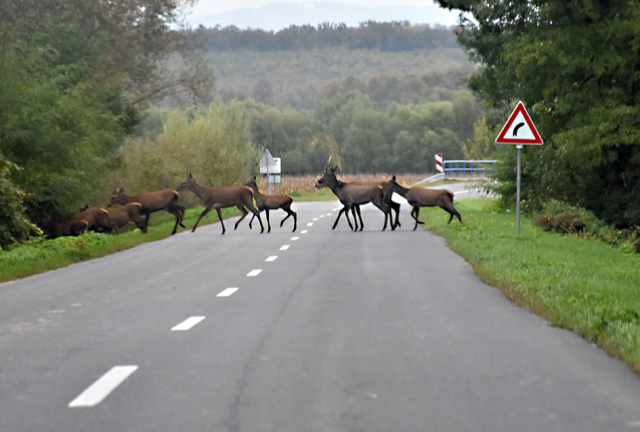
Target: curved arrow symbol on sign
[{"x": 515, "y": 130}]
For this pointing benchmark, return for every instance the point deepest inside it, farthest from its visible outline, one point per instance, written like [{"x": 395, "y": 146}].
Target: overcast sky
[{"x": 209, "y": 7}]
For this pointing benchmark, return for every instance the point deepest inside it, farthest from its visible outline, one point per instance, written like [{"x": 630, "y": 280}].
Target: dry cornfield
[{"x": 296, "y": 185}]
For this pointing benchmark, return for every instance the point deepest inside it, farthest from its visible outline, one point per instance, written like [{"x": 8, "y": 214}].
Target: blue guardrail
[{"x": 468, "y": 168}]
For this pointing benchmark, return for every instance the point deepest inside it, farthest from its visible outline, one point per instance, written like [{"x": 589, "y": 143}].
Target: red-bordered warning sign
[{"x": 519, "y": 129}]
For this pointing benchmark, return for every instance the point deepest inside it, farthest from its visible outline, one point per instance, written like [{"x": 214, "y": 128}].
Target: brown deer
[
  {"x": 166, "y": 199},
  {"x": 97, "y": 218},
  {"x": 421, "y": 197},
  {"x": 272, "y": 202},
  {"x": 130, "y": 212},
  {"x": 394, "y": 206},
  {"x": 353, "y": 195},
  {"x": 221, "y": 197},
  {"x": 69, "y": 227}
]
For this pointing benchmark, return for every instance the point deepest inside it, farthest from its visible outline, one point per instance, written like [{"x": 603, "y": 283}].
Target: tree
[
  {"x": 135, "y": 39},
  {"x": 482, "y": 145},
  {"x": 14, "y": 223},
  {"x": 575, "y": 65}
]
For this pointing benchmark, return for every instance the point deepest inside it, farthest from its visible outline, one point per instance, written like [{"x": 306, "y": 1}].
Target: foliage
[
  {"x": 482, "y": 146},
  {"x": 134, "y": 38},
  {"x": 14, "y": 223},
  {"x": 51, "y": 122},
  {"x": 576, "y": 68},
  {"x": 214, "y": 145},
  {"x": 298, "y": 80},
  {"x": 587, "y": 286},
  {"x": 383, "y": 36}
]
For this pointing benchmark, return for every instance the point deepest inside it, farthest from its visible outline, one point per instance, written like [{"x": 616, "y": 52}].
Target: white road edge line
[
  {"x": 99, "y": 390},
  {"x": 272, "y": 258},
  {"x": 285, "y": 247},
  {"x": 227, "y": 292},
  {"x": 188, "y": 324},
  {"x": 254, "y": 273}
]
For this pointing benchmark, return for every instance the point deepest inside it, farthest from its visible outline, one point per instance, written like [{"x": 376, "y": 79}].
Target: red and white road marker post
[
  {"x": 519, "y": 130},
  {"x": 439, "y": 168}
]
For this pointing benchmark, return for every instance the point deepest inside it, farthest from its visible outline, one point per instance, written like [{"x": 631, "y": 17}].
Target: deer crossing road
[{"x": 340, "y": 331}]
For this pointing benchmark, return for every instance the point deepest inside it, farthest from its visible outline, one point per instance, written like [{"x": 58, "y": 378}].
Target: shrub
[{"x": 560, "y": 217}]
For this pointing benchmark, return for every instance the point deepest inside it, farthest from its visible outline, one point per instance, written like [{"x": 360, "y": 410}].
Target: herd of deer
[{"x": 138, "y": 208}]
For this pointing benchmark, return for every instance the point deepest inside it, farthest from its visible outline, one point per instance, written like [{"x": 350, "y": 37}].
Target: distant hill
[{"x": 276, "y": 16}]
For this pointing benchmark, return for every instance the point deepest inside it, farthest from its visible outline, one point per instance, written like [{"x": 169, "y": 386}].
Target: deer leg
[
  {"x": 207, "y": 210},
  {"x": 346, "y": 213},
  {"x": 180, "y": 211},
  {"x": 353, "y": 213},
  {"x": 146, "y": 222},
  {"x": 244, "y": 214},
  {"x": 256, "y": 213},
  {"x": 224, "y": 230},
  {"x": 251, "y": 220},
  {"x": 342, "y": 210},
  {"x": 415, "y": 213},
  {"x": 395, "y": 206},
  {"x": 266, "y": 213},
  {"x": 178, "y": 215},
  {"x": 359, "y": 217},
  {"x": 289, "y": 214}
]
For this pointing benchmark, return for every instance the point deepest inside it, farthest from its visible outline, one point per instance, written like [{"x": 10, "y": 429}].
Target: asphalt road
[{"x": 369, "y": 331}]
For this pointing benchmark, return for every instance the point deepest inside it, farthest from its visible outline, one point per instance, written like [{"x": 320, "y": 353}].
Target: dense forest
[{"x": 371, "y": 35}]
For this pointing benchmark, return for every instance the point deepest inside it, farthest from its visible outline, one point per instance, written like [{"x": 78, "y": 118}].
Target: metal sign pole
[
  {"x": 268, "y": 181},
  {"x": 519, "y": 147}
]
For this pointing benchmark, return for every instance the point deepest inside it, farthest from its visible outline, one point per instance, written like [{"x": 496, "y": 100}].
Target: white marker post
[{"x": 519, "y": 130}]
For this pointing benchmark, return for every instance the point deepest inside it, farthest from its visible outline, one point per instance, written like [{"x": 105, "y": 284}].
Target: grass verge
[{"x": 583, "y": 285}]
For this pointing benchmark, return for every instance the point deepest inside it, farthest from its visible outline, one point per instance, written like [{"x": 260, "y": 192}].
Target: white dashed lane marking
[
  {"x": 188, "y": 324},
  {"x": 285, "y": 247},
  {"x": 100, "y": 389},
  {"x": 227, "y": 292},
  {"x": 272, "y": 258},
  {"x": 310, "y": 224},
  {"x": 294, "y": 238},
  {"x": 254, "y": 273},
  {"x": 304, "y": 232}
]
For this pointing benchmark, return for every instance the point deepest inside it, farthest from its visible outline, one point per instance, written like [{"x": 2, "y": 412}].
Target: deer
[
  {"x": 69, "y": 227},
  {"x": 221, "y": 197},
  {"x": 130, "y": 212},
  {"x": 388, "y": 201},
  {"x": 352, "y": 195},
  {"x": 272, "y": 202},
  {"x": 166, "y": 199},
  {"x": 422, "y": 197},
  {"x": 96, "y": 218}
]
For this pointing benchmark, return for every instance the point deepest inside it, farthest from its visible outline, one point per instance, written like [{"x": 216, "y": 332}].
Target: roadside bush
[{"x": 560, "y": 217}]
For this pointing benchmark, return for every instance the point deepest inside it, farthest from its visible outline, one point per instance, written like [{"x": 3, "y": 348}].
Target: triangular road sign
[{"x": 519, "y": 129}]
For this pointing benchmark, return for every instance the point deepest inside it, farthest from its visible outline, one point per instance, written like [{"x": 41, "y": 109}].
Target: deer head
[
  {"x": 327, "y": 179},
  {"x": 116, "y": 197},
  {"x": 187, "y": 184}
]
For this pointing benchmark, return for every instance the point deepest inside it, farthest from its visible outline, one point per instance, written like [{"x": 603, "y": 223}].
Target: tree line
[{"x": 370, "y": 35}]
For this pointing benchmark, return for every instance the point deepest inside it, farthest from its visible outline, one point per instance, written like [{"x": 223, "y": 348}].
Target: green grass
[{"x": 583, "y": 285}]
